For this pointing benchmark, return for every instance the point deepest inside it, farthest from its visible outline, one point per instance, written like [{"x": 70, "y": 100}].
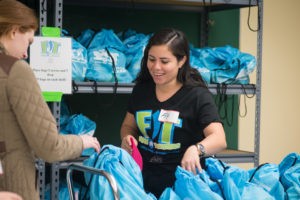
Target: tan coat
[{"x": 27, "y": 129}]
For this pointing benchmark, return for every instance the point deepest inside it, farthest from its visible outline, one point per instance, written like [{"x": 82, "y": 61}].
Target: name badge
[{"x": 170, "y": 116}]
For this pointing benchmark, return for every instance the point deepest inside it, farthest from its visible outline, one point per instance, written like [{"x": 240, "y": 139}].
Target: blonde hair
[{"x": 15, "y": 14}]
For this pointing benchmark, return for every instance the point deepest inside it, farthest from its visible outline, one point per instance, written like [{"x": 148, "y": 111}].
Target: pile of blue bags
[
  {"x": 77, "y": 124},
  {"x": 123, "y": 168},
  {"x": 217, "y": 181},
  {"x": 223, "y": 65},
  {"x": 105, "y": 56}
]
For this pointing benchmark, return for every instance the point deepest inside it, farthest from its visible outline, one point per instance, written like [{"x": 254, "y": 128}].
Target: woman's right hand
[
  {"x": 90, "y": 142},
  {"x": 9, "y": 196},
  {"x": 126, "y": 143}
]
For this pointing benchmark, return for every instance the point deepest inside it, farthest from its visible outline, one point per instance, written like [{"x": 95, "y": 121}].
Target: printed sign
[{"x": 51, "y": 62}]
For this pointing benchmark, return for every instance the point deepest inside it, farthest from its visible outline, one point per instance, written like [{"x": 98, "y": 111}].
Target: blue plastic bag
[
  {"x": 252, "y": 191},
  {"x": 196, "y": 63},
  {"x": 234, "y": 181},
  {"x": 134, "y": 52},
  {"x": 79, "y": 58},
  {"x": 123, "y": 35},
  {"x": 169, "y": 194},
  {"x": 289, "y": 169},
  {"x": 106, "y": 60},
  {"x": 64, "y": 114},
  {"x": 123, "y": 168},
  {"x": 267, "y": 177},
  {"x": 63, "y": 191},
  {"x": 225, "y": 64},
  {"x": 99, "y": 66},
  {"x": 79, "y": 61},
  {"x": 86, "y": 37},
  {"x": 189, "y": 186},
  {"x": 79, "y": 124}
]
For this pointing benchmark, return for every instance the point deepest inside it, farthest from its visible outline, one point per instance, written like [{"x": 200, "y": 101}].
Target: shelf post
[
  {"x": 58, "y": 13},
  {"x": 258, "y": 82},
  {"x": 40, "y": 164},
  {"x": 55, "y": 107},
  {"x": 42, "y": 15},
  {"x": 40, "y": 167}
]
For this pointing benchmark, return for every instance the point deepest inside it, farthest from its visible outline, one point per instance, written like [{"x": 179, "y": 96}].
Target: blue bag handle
[
  {"x": 259, "y": 167},
  {"x": 114, "y": 69},
  {"x": 221, "y": 101}
]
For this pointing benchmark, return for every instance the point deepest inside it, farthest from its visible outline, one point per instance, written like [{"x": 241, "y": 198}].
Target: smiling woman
[
  {"x": 163, "y": 67},
  {"x": 171, "y": 114}
]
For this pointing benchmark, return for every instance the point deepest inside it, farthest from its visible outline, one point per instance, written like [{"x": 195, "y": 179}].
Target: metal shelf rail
[
  {"x": 126, "y": 88},
  {"x": 176, "y": 5}
]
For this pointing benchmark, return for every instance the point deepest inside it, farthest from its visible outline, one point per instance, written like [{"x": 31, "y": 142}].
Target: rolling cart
[{"x": 77, "y": 167}]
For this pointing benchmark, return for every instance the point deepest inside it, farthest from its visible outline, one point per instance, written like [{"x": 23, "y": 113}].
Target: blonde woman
[{"x": 27, "y": 127}]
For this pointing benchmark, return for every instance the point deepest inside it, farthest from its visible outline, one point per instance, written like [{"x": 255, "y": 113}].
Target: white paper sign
[{"x": 51, "y": 61}]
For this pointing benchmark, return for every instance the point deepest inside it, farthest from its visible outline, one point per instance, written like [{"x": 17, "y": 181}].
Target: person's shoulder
[
  {"x": 7, "y": 62},
  {"x": 21, "y": 67},
  {"x": 21, "y": 73}
]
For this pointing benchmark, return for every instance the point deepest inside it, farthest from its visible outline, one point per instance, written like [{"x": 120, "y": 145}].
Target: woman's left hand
[{"x": 190, "y": 160}]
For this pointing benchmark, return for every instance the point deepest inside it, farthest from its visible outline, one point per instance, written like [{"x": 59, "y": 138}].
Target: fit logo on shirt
[{"x": 162, "y": 132}]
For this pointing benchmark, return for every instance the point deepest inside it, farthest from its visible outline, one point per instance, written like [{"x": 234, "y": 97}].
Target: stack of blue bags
[
  {"x": 217, "y": 181},
  {"x": 105, "y": 56}
]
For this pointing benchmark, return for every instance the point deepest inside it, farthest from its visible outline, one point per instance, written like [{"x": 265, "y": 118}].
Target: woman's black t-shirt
[{"x": 166, "y": 129}]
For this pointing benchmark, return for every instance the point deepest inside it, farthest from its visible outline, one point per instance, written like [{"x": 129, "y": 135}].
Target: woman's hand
[
  {"x": 90, "y": 142},
  {"x": 126, "y": 143},
  {"x": 190, "y": 160},
  {"x": 9, "y": 196}
]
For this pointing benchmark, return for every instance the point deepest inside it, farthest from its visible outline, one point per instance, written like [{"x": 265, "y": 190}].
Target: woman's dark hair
[{"x": 179, "y": 46}]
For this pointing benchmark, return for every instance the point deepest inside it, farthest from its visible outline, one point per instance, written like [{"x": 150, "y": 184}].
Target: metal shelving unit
[
  {"x": 201, "y": 6},
  {"x": 126, "y": 88}
]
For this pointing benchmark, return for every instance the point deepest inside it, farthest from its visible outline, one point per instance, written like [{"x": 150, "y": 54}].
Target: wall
[{"x": 280, "y": 110}]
